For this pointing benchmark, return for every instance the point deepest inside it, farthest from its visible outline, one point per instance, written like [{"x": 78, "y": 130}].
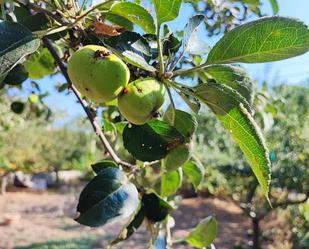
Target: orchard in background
[{"x": 109, "y": 66}]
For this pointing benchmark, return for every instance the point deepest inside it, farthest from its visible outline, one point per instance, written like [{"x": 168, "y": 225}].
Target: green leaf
[
  {"x": 109, "y": 126},
  {"x": 33, "y": 22},
  {"x": 191, "y": 42},
  {"x": 178, "y": 157},
  {"x": 40, "y": 64},
  {"x": 204, "y": 234},
  {"x": 108, "y": 197},
  {"x": 195, "y": 172},
  {"x": 184, "y": 122},
  {"x": 99, "y": 166},
  {"x": 229, "y": 108},
  {"x": 136, "y": 14},
  {"x": 134, "y": 224},
  {"x": 16, "y": 76},
  {"x": 192, "y": 103},
  {"x": 170, "y": 182},
  {"x": 166, "y": 10},
  {"x": 132, "y": 48},
  {"x": 232, "y": 76},
  {"x": 119, "y": 20},
  {"x": 156, "y": 208},
  {"x": 263, "y": 40},
  {"x": 275, "y": 6},
  {"x": 151, "y": 141},
  {"x": 16, "y": 42}
]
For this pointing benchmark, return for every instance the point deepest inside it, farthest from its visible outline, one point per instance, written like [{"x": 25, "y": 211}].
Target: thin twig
[
  {"x": 160, "y": 52},
  {"x": 91, "y": 116},
  {"x": 190, "y": 70},
  {"x": 45, "y": 11}
]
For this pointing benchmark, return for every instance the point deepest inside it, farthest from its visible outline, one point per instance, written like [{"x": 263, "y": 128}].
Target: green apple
[
  {"x": 98, "y": 74},
  {"x": 140, "y": 101}
]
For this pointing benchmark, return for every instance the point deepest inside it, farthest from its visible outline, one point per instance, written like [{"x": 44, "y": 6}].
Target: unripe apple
[
  {"x": 98, "y": 74},
  {"x": 140, "y": 100}
]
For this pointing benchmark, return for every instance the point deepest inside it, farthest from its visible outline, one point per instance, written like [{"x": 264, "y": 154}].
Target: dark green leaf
[
  {"x": 16, "y": 42},
  {"x": 156, "y": 208},
  {"x": 166, "y": 10},
  {"x": 108, "y": 197},
  {"x": 184, "y": 122},
  {"x": 204, "y": 234},
  {"x": 33, "y": 22},
  {"x": 170, "y": 182},
  {"x": 229, "y": 108},
  {"x": 16, "y": 76},
  {"x": 136, "y": 14},
  {"x": 119, "y": 20},
  {"x": 232, "y": 76},
  {"x": 151, "y": 141},
  {"x": 40, "y": 64},
  {"x": 17, "y": 107},
  {"x": 99, "y": 166},
  {"x": 134, "y": 224},
  {"x": 195, "y": 172},
  {"x": 132, "y": 48},
  {"x": 263, "y": 40}
]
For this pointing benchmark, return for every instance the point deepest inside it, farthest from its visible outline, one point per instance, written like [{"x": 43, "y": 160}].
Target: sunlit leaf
[
  {"x": 136, "y": 14},
  {"x": 233, "y": 113},
  {"x": 263, "y": 40},
  {"x": 166, "y": 10},
  {"x": 204, "y": 234}
]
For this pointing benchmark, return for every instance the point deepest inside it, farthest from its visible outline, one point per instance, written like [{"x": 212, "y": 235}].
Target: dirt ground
[{"x": 43, "y": 220}]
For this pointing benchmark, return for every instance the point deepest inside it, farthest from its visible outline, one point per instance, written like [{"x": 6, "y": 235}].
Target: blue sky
[{"x": 292, "y": 71}]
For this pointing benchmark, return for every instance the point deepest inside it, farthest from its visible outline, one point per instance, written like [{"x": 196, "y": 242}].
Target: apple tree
[{"x": 108, "y": 65}]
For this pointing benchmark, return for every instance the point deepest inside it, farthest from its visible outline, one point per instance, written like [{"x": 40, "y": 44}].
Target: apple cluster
[{"x": 102, "y": 77}]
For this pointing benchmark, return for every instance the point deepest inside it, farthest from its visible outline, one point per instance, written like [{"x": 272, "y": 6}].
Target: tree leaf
[
  {"x": 40, "y": 64},
  {"x": 171, "y": 181},
  {"x": 232, "y": 76},
  {"x": 33, "y": 22},
  {"x": 192, "y": 103},
  {"x": 136, "y": 14},
  {"x": 204, "y": 234},
  {"x": 195, "y": 172},
  {"x": 275, "y": 6},
  {"x": 132, "y": 48},
  {"x": 107, "y": 198},
  {"x": 191, "y": 42},
  {"x": 156, "y": 208},
  {"x": 99, "y": 166},
  {"x": 119, "y": 20},
  {"x": 151, "y": 141},
  {"x": 16, "y": 76},
  {"x": 134, "y": 224},
  {"x": 263, "y": 40},
  {"x": 166, "y": 10},
  {"x": 231, "y": 111},
  {"x": 16, "y": 43},
  {"x": 184, "y": 122},
  {"x": 178, "y": 156}
]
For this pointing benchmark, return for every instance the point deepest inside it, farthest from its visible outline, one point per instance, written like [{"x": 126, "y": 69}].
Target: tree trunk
[
  {"x": 4, "y": 182},
  {"x": 256, "y": 233}
]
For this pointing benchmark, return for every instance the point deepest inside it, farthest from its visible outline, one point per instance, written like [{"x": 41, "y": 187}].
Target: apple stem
[{"x": 88, "y": 110}]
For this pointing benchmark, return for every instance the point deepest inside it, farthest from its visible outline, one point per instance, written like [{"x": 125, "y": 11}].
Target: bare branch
[{"x": 90, "y": 114}]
